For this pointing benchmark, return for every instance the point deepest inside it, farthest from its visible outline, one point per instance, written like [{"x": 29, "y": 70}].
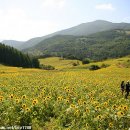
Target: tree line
[{"x": 12, "y": 57}]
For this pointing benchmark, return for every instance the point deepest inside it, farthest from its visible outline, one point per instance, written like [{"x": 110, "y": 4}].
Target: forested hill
[
  {"x": 13, "y": 57},
  {"x": 83, "y": 29},
  {"x": 98, "y": 46}
]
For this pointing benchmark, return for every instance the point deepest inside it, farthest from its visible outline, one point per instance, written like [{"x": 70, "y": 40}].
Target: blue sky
[{"x": 25, "y": 19}]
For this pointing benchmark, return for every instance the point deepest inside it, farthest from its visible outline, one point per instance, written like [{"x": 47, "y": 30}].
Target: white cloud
[
  {"x": 107, "y": 6},
  {"x": 54, "y": 3},
  {"x": 16, "y": 24}
]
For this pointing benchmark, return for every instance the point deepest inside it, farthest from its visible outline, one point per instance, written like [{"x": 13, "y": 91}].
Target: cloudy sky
[{"x": 25, "y": 19}]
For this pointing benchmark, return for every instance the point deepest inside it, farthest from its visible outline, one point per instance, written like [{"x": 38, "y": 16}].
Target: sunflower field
[{"x": 73, "y": 99}]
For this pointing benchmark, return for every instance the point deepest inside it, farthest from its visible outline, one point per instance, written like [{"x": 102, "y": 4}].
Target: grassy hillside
[
  {"x": 58, "y": 63},
  {"x": 99, "y": 46},
  {"x": 68, "y": 99}
]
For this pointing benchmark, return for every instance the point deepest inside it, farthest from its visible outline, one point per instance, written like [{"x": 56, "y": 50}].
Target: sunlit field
[
  {"x": 58, "y": 63},
  {"x": 70, "y": 99}
]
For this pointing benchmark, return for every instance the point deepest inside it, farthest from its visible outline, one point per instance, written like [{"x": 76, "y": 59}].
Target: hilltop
[{"x": 83, "y": 29}]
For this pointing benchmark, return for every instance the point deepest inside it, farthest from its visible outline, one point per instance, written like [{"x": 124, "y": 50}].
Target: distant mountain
[
  {"x": 33, "y": 42},
  {"x": 83, "y": 29},
  {"x": 98, "y": 46},
  {"x": 13, "y": 43}
]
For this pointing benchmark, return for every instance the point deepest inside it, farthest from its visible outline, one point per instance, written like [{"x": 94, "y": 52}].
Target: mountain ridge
[
  {"x": 98, "y": 46},
  {"x": 83, "y": 29}
]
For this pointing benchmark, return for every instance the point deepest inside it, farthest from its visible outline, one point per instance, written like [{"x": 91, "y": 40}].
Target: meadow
[{"x": 68, "y": 98}]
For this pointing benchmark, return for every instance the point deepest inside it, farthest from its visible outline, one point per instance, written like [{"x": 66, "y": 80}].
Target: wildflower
[
  {"x": 73, "y": 88},
  {"x": 110, "y": 124},
  {"x": 67, "y": 101},
  {"x": 95, "y": 103},
  {"x": 27, "y": 109},
  {"x": 77, "y": 113},
  {"x": 44, "y": 102},
  {"x": 87, "y": 125},
  {"x": 24, "y": 106},
  {"x": 59, "y": 98},
  {"x": 17, "y": 100},
  {"x": 87, "y": 110},
  {"x": 125, "y": 108},
  {"x": 1, "y": 99},
  {"x": 42, "y": 93},
  {"x": 120, "y": 113},
  {"x": 68, "y": 90},
  {"x": 84, "y": 102},
  {"x": 24, "y": 96},
  {"x": 72, "y": 106},
  {"x": 105, "y": 104},
  {"x": 43, "y": 98},
  {"x": 80, "y": 101},
  {"x": 114, "y": 107},
  {"x": 48, "y": 97},
  {"x": 14, "y": 88},
  {"x": 11, "y": 96},
  {"x": 99, "y": 128},
  {"x": 99, "y": 117},
  {"x": 97, "y": 108},
  {"x": 92, "y": 98},
  {"x": 35, "y": 101}
]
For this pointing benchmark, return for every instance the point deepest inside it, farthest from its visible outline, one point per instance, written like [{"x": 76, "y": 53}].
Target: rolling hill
[
  {"x": 98, "y": 46},
  {"x": 83, "y": 29}
]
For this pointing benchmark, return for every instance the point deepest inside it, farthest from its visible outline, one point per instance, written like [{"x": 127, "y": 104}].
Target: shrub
[
  {"x": 85, "y": 61},
  {"x": 75, "y": 64},
  {"x": 128, "y": 60},
  {"x": 94, "y": 67},
  {"x": 104, "y": 65},
  {"x": 47, "y": 67}
]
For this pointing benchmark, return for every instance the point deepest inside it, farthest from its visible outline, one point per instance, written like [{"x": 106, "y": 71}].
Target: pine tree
[{"x": 13, "y": 57}]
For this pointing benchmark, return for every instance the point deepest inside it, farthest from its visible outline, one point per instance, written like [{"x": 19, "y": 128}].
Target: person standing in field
[
  {"x": 122, "y": 87},
  {"x": 127, "y": 89}
]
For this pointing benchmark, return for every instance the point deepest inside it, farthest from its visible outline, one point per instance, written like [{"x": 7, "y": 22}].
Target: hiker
[
  {"x": 122, "y": 87},
  {"x": 127, "y": 89}
]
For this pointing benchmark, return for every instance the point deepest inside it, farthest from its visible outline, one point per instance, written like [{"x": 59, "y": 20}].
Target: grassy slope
[
  {"x": 58, "y": 63},
  {"x": 111, "y": 62},
  {"x": 67, "y": 64}
]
